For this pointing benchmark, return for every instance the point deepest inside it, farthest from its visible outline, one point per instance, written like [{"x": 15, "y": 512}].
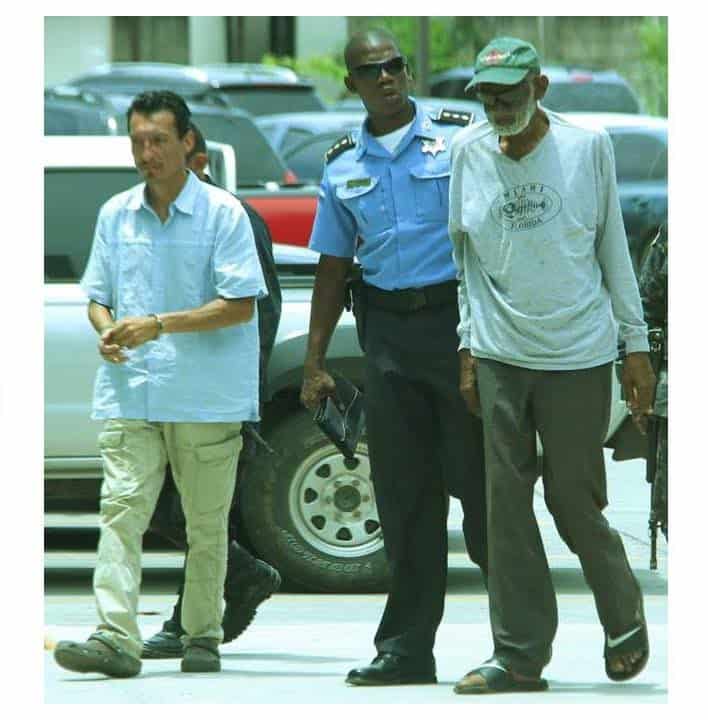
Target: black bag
[{"x": 341, "y": 418}]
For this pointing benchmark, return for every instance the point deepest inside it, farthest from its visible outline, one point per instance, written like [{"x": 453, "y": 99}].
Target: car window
[
  {"x": 72, "y": 199},
  {"x": 256, "y": 161},
  {"x": 451, "y": 89},
  {"x": 590, "y": 97},
  {"x": 639, "y": 156},
  {"x": 307, "y": 160},
  {"x": 267, "y": 101},
  {"x": 293, "y": 137},
  {"x": 75, "y": 121}
]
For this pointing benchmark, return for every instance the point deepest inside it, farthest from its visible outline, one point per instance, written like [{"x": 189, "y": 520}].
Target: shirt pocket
[
  {"x": 367, "y": 203},
  {"x": 190, "y": 271},
  {"x": 431, "y": 188}
]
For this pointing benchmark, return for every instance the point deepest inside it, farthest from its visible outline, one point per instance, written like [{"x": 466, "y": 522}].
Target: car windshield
[
  {"x": 76, "y": 121},
  {"x": 69, "y": 225},
  {"x": 307, "y": 159},
  {"x": 640, "y": 156},
  {"x": 256, "y": 161},
  {"x": 259, "y": 100},
  {"x": 590, "y": 97}
]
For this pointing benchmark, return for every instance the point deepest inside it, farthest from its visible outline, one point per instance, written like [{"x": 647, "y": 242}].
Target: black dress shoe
[{"x": 390, "y": 669}]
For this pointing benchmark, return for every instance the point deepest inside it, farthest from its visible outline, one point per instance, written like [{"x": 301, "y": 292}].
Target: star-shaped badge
[{"x": 434, "y": 146}]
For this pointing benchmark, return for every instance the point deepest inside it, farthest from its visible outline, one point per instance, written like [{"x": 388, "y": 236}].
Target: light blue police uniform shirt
[
  {"x": 391, "y": 209},
  {"x": 138, "y": 266}
]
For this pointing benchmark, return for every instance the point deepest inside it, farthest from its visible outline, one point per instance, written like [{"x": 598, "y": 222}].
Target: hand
[
  {"x": 638, "y": 383},
  {"x": 109, "y": 351},
  {"x": 131, "y": 332},
  {"x": 317, "y": 384},
  {"x": 468, "y": 381}
]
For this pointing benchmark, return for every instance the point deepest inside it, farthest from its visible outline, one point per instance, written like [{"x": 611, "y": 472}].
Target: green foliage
[
  {"x": 654, "y": 57},
  {"x": 317, "y": 66},
  {"x": 450, "y": 38}
]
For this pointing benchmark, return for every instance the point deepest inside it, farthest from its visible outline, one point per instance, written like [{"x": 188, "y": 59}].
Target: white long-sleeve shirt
[{"x": 546, "y": 280}]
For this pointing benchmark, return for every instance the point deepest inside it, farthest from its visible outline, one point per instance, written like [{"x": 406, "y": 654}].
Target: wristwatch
[{"x": 160, "y": 326}]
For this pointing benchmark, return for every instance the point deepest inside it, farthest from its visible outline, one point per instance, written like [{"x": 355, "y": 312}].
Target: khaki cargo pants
[{"x": 203, "y": 457}]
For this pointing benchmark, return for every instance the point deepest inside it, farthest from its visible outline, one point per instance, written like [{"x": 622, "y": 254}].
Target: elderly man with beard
[{"x": 545, "y": 282}]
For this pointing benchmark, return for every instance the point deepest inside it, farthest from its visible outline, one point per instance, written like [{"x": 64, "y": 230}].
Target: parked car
[
  {"x": 130, "y": 78},
  {"x": 570, "y": 89},
  {"x": 264, "y": 89},
  {"x": 70, "y": 111},
  {"x": 258, "y": 89},
  {"x": 286, "y": 130},
  {"x": 335, "y": 547},
  {"x": 641, "y": 158}
]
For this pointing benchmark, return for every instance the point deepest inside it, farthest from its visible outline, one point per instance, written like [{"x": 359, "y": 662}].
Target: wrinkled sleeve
[
  {"x": 97, "y": 280},
  {"x": 459, "y": 246},
  {"x": 334, "y": 231},
  {"x": 613, "y": 252},
  {"x": 237, "y": 271}
]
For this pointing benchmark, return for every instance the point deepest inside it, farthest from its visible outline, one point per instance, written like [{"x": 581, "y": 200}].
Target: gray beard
[{"x": 521, "y": 122}]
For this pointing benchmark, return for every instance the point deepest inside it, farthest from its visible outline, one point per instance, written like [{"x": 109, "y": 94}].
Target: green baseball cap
[{"x": 506, "y": 61}]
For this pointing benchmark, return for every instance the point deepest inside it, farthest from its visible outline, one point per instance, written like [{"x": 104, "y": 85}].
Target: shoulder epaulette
[
  {"x": 344, "y": 143},
  {"x": 454, "y": 117}
]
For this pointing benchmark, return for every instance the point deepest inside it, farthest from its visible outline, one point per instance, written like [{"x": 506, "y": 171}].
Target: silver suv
[{"x": 333, "y": 546}]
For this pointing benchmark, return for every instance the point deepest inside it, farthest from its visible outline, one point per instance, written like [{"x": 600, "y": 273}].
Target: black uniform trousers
[{"x": 423, "y": 445}]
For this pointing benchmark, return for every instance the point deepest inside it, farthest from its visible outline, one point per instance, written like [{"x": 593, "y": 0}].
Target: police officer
[{"x": 384, "y": 197}]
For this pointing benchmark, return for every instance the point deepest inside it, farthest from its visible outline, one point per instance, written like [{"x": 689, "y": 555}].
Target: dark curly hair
[{"x": 153, "y": 101}]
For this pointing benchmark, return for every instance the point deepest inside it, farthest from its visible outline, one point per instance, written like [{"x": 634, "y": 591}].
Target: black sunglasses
[
  {"x": 371, "y": 71},
  {"x": 515, "y": 96}
]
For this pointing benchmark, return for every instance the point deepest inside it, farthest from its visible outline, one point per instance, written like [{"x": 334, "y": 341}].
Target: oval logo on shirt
[{"x": 525, "y": 207}]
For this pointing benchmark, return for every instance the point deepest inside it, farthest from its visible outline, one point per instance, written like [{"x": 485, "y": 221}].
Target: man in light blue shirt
[{"x": 172, "y": 282}]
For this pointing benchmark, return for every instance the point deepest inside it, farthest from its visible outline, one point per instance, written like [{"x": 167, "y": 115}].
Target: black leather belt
[{"x": 411, "y": 299}]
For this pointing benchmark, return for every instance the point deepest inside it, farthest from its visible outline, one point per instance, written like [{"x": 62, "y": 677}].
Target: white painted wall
[
  {"x": 73, "y": 45},
  {"x": 207, "y": 39},
  {"x": 319, "y": 34}
]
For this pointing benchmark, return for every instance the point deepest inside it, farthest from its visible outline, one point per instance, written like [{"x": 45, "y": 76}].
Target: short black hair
[
  {"x": 366, "y": 38},
  {"x": 153, "y": 101},
  {"x": 199, "y": 141}
]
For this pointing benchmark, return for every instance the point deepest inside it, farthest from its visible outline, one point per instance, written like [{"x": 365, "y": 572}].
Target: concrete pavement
[{"x": 301, "y": 646}]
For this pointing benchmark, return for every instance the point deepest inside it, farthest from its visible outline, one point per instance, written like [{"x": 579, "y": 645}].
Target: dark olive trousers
[
  {"x": 423, "y": 445},
  {"x": 570, "y": 411}
]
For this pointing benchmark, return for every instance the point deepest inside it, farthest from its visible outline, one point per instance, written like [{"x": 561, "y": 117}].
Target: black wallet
[{"x": 341, "y": 418}]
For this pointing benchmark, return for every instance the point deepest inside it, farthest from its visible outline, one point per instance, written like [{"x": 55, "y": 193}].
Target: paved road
[{"x": 301, "y": 645}]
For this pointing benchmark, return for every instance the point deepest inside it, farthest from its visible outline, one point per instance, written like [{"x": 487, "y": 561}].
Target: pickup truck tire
[{"x": 311, "y": 516}]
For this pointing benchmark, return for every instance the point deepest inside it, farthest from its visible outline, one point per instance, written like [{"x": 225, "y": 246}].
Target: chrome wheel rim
[{"x": 333, "y": 506}]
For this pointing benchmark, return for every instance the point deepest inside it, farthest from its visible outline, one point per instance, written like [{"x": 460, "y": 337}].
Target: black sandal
[
  {"x": 636, "y": 639},
  {"x": 498, "y": 679}
]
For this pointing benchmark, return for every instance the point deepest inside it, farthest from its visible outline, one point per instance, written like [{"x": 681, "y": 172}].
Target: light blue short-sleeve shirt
[
  {"x": 138, "y": 266},
  {"x": 390, "y": 209}
]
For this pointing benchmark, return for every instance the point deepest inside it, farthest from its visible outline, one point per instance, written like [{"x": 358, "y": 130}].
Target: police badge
[{"x": 433, "y": 147}]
